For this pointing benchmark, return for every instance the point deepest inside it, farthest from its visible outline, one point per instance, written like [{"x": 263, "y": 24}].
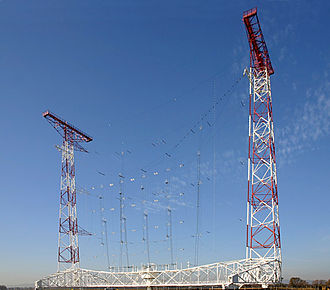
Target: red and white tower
[
  {"x": 68, "y": 249},
  {"x": 263, "y": 227}
]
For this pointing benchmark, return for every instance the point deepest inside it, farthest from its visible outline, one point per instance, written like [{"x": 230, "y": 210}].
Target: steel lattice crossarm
[
  {"x": 258, "y": 49},
  {"x": 70, "y": 133},
  {"x": 68, "y": 248}
]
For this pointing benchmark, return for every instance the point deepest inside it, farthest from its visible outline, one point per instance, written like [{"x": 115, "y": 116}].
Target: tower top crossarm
[
  {"x": 259, "y": 57},
  {"x": 69, "y": 132}
]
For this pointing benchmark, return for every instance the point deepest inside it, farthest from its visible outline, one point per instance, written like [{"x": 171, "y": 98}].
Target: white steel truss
[
  {"x": 233, "y": 274},
  {"x": 263, "y": 236},
  {"x": 68, "y": 250}
]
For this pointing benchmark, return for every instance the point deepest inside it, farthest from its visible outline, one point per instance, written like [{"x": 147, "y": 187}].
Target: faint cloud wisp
[{"x": 309, "y": 124}]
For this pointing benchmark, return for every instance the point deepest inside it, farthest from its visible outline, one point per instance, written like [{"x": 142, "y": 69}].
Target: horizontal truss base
[{"x": 232, "y": 274}]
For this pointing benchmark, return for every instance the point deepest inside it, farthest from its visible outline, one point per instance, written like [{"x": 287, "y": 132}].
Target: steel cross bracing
[
  {"x": 231, "y": 274},
  {"x": 68, "y": 249},
  {"x": 263, "y": 226}
]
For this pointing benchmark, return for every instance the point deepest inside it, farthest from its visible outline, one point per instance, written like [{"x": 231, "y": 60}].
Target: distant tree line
[
  {"x": 20, "y": 288},
  {"x": 3, "y": 287},
  {"x": 296, "y": 282}
]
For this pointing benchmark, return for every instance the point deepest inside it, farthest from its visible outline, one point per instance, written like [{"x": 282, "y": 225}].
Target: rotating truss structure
[
  {"x": 233, "y": 274},
  {"x": 263, "y": 261}
]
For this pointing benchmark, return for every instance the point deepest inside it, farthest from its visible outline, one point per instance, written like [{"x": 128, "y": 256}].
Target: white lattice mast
[
  {"x": 68, "y": 248},
  {"x": 263, "y": 227}
]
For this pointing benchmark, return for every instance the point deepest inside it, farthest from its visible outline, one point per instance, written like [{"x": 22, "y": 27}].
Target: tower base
[{"x": 225, "y": 275}]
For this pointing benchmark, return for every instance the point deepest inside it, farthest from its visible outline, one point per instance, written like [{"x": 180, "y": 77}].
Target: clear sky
[{"x": 137, "y": 76}]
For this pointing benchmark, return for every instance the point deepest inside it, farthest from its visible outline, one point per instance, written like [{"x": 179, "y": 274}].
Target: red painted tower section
[
  {"x": 68, "y": 249},
  {"x": 259, "y": 57},
  {"x": 263, "y": 228}
]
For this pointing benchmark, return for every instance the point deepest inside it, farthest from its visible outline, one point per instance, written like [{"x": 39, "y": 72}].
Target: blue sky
[{"x": 133, "y": 73}]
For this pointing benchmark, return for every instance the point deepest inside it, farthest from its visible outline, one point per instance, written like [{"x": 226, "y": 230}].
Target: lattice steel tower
[
  {"x": 68, "y": 249},
  {"x": 263, "y": 227}
]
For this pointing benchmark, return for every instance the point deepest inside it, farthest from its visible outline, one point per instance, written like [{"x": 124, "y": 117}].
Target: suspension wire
[
  {"x": 122, "y": 218},
  {"x": 126, "y": 243},
  {"x": 123, "y": 222},
  {"x": 144, "y": 233},
  {"x": 169, "y": 213},
  {"x": 207, "y": 140},
  {"x": 197, "y": 235},
  {"x": 145, "y": 212},
  {"x": 192, "y": 130},
  {"x": 101, "y": 215},
  {"x": 175, "y": 98},
  {"x": 105, "y": 233},
  {"x": 214, "y": 167},
  {"x": 169, "y": 235},
  {"x": 107, "y": 241},
  {"x": 121, "y": 226},
  {"x": 146, "y": 236}
]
